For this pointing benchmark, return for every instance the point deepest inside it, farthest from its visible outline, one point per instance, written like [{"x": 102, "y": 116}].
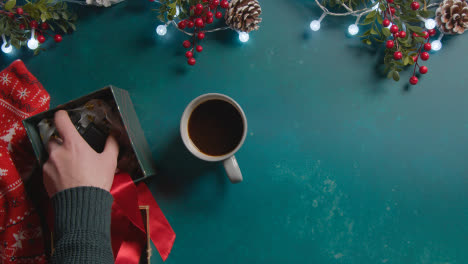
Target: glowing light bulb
[
  {"x": 177, "y": 11},
  {"x": 436, "y": 45},
  {"x": 430, "y": 23},
  {"x": 33, "y": 43},
  {"x": 244, "y": 36},
  {"x": 353, "y": 29},
  {"x": 6, "y": 49},
  {"x": 161, "y": 30},
  {"x": 315, "y": 25}
]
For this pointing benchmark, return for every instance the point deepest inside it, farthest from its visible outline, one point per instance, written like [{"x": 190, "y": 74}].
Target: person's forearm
[{"x": 82, "y": 226}]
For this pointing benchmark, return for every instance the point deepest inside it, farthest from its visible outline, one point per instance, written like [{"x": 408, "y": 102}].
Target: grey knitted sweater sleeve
[{"x": 82, "y": 226}]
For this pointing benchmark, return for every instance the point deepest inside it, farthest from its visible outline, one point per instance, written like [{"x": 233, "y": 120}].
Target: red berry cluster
[
  {"x": 396, "y": 32},
  {"x": 202, "y": 14},
  {"x": 422, "y": 53},
  {"x": 26, "y": 22},
  {"x": 390, "y": 44}
]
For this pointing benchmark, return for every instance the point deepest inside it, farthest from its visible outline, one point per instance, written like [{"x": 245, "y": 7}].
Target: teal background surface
[{"x": 340, "y": 164}]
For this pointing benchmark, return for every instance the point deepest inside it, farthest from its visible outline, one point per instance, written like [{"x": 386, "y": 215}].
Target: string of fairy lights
[
  {"x": 353, "y": 29},
  {"x": 32, "y": 43}
]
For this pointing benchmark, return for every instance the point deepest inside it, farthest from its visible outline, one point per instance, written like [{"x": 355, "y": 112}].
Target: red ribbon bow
[{"x": 128, "y": 231}]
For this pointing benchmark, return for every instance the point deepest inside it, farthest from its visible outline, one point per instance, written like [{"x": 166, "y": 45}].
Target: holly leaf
[
  {"x": 161, "y": 17},
  {"x": 379, "y": 19},
  {"x": 427, "y": 13},
  {"x": 72, "y": 25},
  {"x": 396, "y": 76},
  {"x": 386, "y": 32},
  {"x": 10, "y": 4}
]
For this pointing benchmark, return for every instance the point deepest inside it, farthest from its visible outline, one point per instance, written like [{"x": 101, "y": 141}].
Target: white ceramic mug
[{"x": 230, "y": 163}]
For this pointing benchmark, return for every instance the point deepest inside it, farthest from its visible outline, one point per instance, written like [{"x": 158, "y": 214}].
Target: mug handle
[{"x": 232, "y": 169}]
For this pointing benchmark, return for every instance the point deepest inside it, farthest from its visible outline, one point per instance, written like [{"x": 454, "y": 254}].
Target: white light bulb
[
  {"x": 6, "y": 49},
  {"x": 161, "y": 30},
  {"x": 177, "y": 11},
  {"x": 436, "y": 45},
  {"x": 353, "y": 29},
  {"x": 315, "y": 25},
  {"x": 244, "y": 36},
  {"x": 430, "y": 23},
  {"x": 33, "y": 44},
  {"x": 389, "y": 26}
]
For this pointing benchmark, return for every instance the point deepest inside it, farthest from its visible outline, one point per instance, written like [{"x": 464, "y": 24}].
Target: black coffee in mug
[{"x": 215, "y": 127}]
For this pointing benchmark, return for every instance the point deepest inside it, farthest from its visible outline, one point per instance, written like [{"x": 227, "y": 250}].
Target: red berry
[
  {"x": 19, "y": 11},
  {"x": 188, "y": 54},
  {"x": 199, "y": 22},
  {"x": 389, "y": 1},
  {"x": 201, "y": 35},
  {"x": 397, "y": 55},
  {"x": 199, "y": 7},
  {"x": 11, "y": 15},
  {"x": 41, "y": 39},
  {"x": 33, "y": 24},
  {"x": 215, "y": 2},
  {"x": 392, "y": 10},
  {"x": 212, "y": 7},
  {"x": 415, "y": 58},
  {"x": 396, "y": 35},
  {"x": 44, "y": 26},
  {"x": 58, "y": 38},
  {"x": 209, "y": 20},
  {"x": 186, "y": 44},
  {"x": 415, "y": 35},
  {"x": 432, "y": 32},
  {"x": 425, "y": 35},
  {"x": 390, "y": 44},
  {"x": 191, "y": 61},
  {"x": 199, "y": 48},
  {"x": 218, "y": 15},
  {"x": 198, "y": 11},
  {"x": 386, "y": 23},
  {"x": 224, "y": 4},
  {"x": 394, "y": 29},
  {"x": 190, "y": 24},
  {"x": 423, "y": 69},
  {"x": 209, "y": 14},
  {"x": 21, "y": 26},
  {"x": 413, "y": 80},
  {"x": 415, "y": 5},
  {"x": 402, "y": 34},
  {"x": 427, "y": 46},
  {"x": 181, "y": 24},
  {"x": 424, "y": 56}
]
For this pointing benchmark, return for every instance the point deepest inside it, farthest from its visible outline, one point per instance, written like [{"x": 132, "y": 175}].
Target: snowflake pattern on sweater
[{"x": 21, "y": 96}]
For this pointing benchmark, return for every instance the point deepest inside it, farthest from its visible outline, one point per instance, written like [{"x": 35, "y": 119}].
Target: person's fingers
[
  {"x": 52, "y": 145},
  {"x": 111, "y": 149},
  {"x": 65, "y": 127}
]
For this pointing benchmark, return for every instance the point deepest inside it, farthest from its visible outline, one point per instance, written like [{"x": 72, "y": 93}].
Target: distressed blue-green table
[{"x": 340, "y": 165}]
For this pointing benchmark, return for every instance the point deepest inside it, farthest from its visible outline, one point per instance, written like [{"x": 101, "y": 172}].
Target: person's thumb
[{"x": 111, "y": 149}]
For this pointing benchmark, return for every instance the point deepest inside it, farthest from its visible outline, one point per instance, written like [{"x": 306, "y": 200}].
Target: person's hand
[{"x": 74, "y": 163}]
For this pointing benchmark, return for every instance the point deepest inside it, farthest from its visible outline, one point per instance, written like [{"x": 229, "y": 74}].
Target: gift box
[{"x": 132, "y": 137}]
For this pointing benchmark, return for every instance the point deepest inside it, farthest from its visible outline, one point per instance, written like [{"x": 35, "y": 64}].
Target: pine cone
[
  {"x": 452, "y": 16},
  {"x": 243, "y": 15}
]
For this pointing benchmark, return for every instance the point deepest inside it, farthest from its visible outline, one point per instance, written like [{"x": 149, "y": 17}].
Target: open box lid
[{"x": 127, "y": 116}]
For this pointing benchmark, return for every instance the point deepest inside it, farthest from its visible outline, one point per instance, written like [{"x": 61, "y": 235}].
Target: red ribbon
[{"x": 127, "y": 229}]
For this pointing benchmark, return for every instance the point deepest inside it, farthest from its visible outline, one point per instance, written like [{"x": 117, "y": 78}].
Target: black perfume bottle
[{"x": 92, "y": 134}]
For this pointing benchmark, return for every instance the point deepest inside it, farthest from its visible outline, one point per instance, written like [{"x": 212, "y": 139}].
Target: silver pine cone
[
  {"x": 243, "y": 15},
  {"x": 452, "y": 16}
]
